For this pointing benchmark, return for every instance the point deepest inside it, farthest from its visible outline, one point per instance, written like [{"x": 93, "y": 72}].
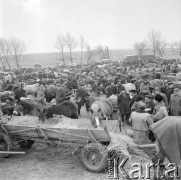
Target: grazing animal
[
  {"x": 31, "y": 89},
  {"x": 89, "y": 100},
  {"x": 68, "y": 109},
  {"x": 50, "y": 93},
  {"x": 30, "y": 107},
  {"x": 100, "y": 110}
]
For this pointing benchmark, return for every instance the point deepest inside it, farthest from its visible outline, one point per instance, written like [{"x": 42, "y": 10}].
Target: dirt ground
[{"x": 47, "y": 162}]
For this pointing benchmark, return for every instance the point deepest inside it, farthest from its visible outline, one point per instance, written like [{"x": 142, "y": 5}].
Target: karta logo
[{"x": 117, "y": 162}]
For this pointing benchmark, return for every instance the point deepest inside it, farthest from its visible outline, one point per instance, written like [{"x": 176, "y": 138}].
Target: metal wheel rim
[{"x": 94, "y": 158}]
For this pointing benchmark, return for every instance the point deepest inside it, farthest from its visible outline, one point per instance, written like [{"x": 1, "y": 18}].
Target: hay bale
[
  {"x": 32, "y": 121},
  {"x": 124, "y": 144}
]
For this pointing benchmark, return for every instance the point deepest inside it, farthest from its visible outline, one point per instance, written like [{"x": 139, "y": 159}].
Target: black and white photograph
[{"x": 90, "y": 89}]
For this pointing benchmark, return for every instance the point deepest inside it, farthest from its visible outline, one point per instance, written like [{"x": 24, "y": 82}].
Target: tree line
[
  {"x": 158, "y": 45},
  {"x": 11, "y": 47},
  {"x": 69, "y": 42},
  {"x": 155, "y": 42}
]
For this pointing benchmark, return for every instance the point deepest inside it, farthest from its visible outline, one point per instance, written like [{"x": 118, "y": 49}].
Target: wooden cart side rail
[
  {"x": 70, "y": 134},
  {"x": 78, "y": 143},
  {"x": 21, "y": 131},
  {"x": 56, "y": 133}
]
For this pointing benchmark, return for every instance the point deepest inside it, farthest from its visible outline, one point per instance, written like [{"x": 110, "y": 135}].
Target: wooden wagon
[{"x": 91, "y": 142}]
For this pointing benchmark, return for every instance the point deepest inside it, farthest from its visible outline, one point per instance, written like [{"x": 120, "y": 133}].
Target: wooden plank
[
  {"x": 59, "y": 133},
  {"x": 11, "y": 152}
]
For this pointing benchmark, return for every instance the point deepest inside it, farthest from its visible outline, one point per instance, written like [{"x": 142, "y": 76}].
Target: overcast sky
[{"x": 116, "y": 23}]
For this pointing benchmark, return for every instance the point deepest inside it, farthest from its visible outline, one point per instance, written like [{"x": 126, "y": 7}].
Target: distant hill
[{"x": 51, "y": 59}]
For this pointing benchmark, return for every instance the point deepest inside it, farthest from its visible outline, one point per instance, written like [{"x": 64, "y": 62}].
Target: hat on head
[
  {"x": 158, "y": 98},
  {"x": 138, "y": 98},
  {"x": 122, "y": 88},
  {"x": 157, "y": 89},
  {"x": 142, "y": 105},
  {"x": 133, "y": 90},
  {"x": 150, "y": 87},
  {"x": 169, "y": 83}
]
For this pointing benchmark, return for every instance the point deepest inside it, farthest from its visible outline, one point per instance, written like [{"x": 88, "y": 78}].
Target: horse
[
  {"x": 67, "y": 108},
  {"x": 31, "y": 107},
  {"x": 31, "y": 89},
  {"x": 100, "y": 110}
]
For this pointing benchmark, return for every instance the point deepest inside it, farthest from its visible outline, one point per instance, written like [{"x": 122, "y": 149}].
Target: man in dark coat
[
  {"x": 133, "y": 94},
  {"x": 123, "y": 104},
  {"x": 81, "y": 94},
  {"x": 169, "y": 90},
  {"x": 111, "y": 89}
]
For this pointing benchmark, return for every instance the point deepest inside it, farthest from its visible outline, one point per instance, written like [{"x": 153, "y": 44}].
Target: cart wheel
[
  {"x": 5, "y": 144},
  {"x": 93, "y": 157},
  {"x": 26, "y": 143}
]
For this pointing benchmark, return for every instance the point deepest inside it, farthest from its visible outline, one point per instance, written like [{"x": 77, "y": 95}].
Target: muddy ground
[{"x": 47, "y": 162}]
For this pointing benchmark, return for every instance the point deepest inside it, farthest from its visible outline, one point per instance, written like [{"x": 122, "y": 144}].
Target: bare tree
[
  {"x": 5, "y": 47},
  {"x": 161, "y": 47},
  {"x": 60, "y": 45},
  {"x": 102, "y": 51},
  {"x": 17, "y": 49},
  {"x": 176, "y": 48},
  {"x": 82, "y": 46},
  {"x": 154, "y": 37},
  {"x": 71, "y": 44},
  {"x": 141, "y": 48},
  {"x": 89, "y": 53},
  {"x": 2, "y": 53}
]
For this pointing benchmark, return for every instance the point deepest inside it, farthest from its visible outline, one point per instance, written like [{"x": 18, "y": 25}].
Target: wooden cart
[{"x": 92, "y": 142}]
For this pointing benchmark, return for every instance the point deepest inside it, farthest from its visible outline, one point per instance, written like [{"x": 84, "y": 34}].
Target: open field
[{"x": 51, "y": 59}]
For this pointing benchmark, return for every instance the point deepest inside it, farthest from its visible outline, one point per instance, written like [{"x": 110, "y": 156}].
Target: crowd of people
[{"x": 134, "y": 93}]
